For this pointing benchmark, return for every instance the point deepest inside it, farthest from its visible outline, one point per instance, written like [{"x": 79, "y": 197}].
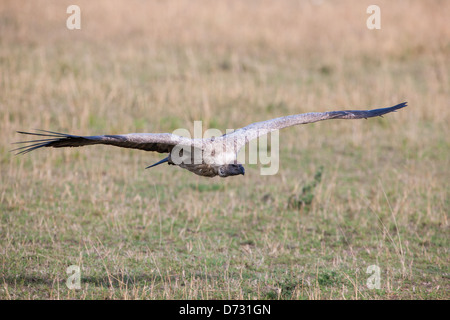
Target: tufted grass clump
[{"x": 304, "y": 199}]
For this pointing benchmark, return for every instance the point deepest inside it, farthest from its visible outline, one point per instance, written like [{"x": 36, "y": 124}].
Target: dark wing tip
[
  {"x": 383, "y": 111},
  {"x": 398, "y": 106},
  {"x": 401, "y": 105},
  {"x": 38, "y": 143}
]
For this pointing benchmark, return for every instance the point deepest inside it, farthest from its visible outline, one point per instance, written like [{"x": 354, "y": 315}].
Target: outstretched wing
[
  {"x": 158, "y": 142},
  {"x": 242, "y": 136}
]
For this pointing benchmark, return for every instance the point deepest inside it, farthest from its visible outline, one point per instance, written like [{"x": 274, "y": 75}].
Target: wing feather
[
  {"x": 158, "y": 142},
  {"x": 243, "y": 135}
]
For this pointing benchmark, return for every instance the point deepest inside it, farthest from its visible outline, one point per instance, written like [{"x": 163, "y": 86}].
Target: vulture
[{"x": 216, "y": 156}]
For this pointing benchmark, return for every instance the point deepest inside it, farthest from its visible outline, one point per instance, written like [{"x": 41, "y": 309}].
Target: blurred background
[{"x": 155, "y": 66}]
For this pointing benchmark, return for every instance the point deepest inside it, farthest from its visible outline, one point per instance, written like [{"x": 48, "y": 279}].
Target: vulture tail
[{"x": 159, "y": 162}]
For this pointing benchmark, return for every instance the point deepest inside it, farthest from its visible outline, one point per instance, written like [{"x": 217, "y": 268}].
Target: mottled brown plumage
[{"x": 217, "y": 155}]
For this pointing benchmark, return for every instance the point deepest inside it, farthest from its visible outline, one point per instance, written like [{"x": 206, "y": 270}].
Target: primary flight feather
[{"x": 205, "y": 157}]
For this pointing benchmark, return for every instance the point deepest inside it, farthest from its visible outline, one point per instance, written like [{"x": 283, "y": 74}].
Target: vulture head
[{"x": 232, "y": 169}]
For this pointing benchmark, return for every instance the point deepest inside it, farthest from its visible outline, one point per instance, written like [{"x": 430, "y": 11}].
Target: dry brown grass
[{"x": 152, "y": 66}]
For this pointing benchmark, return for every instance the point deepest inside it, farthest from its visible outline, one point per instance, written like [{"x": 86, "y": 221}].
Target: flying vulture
[{"x": 205, "y": 157}]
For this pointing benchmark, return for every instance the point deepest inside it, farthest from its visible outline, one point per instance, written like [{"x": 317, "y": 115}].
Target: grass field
[{"x": 348, "y": 194}]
